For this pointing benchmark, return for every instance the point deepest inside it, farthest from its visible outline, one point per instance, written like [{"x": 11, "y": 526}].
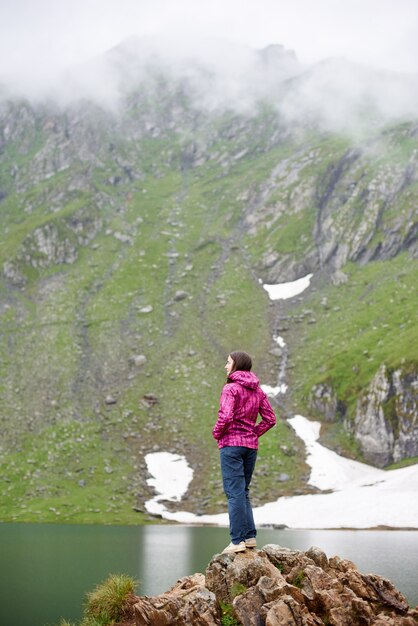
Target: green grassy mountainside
[{"x": 133, "y": 246}]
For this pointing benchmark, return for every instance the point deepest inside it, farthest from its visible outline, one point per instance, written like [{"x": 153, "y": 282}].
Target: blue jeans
[{"x": 237, "y": 466}]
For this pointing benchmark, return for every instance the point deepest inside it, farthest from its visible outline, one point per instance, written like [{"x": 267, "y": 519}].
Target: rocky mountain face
[
  {"x": 386, "y": 417},
  {"x": 385, "y": 422},
  {"x": 276, "y": 586},
  {"x": 134, "y": 238}
]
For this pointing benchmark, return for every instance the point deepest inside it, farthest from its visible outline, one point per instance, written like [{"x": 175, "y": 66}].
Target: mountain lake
[{"x": 46, "y": 569}]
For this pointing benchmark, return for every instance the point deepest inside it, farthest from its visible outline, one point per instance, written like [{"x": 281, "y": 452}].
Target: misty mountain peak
[{"x": 276, "y": 54}]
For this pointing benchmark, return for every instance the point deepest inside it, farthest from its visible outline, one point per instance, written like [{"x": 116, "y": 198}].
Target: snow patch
[
  {"x": 329, "y": 469},
  {"x": 274, "y": 391},
  {"x": 282, "y": 291},
  {"x": 171, "y": 476},
  {"x": 367, "y": 497},
  {"x": 282, "y": 388}
]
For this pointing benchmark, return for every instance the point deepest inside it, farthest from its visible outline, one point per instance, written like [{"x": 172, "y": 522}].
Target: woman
[{"x": 237, "y": 435}]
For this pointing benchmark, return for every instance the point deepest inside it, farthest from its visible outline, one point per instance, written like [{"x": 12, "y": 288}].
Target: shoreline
[{"x": 159, "y": 521}]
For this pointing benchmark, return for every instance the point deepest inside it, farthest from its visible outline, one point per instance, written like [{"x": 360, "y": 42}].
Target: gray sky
[{"x": 39, "y": 36}]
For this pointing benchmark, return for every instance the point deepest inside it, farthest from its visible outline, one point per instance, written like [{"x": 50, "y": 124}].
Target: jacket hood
[{"x": 246, "y": 379}]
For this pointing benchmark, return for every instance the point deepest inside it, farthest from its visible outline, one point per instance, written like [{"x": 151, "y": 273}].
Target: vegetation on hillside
[{"x": 132, "y": 251}]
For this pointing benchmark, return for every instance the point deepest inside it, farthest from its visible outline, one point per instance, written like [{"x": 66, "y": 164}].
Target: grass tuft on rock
[
  {"x": 237, "y": 589},
  {"x": 227, "y": 617},
  {"x": 109, "y": 601}
]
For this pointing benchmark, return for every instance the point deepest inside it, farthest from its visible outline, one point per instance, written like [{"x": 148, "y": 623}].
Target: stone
[
  {"x": 149, "y": 399},
  {"x": 386, "y": 592},
  {"x": 122, "y": 237},
  {"x": 339, "y": 278},
  {"x": 284, "y": 558},
  {"x": 349, "y": 611},
  {"x": 138, "y": 360},
  {"x": 287, "y": 612},
  {"x": 180, "y": 295},
  {"x": 247, "y": 607},
  {"x": 318, "y": 556},
  {"x": 269, "y": 259},
  {"x": 187, "y": 602}
]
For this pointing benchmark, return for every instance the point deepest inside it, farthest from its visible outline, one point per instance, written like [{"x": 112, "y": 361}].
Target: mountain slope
[{"x": 132, "y": 246}]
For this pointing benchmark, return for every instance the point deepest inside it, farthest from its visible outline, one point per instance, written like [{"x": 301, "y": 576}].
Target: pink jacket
[{"x": 240, "y": 403}]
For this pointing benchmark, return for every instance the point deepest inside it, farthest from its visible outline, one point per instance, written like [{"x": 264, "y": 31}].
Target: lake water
[{"x": 46, "y": 570}]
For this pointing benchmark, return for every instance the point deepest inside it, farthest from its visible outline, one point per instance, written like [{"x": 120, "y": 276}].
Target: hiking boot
[
  {"x": 251, "y": 543},
  {"x": 234, "y": 547}
]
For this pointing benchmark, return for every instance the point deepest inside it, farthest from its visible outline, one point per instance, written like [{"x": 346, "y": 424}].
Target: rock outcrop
[
  {"x": 324, "y": 400},
  {"x": 187, "y": 602},
  {"x": 386, "y": 423},
  {"x": 276, "y": 586},
  {"x": 53, "y": 243}
]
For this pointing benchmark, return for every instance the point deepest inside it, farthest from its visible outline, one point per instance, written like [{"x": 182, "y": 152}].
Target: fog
[
  {"x": 335, "y": 56},
  {"x": 37, "y": 37}
]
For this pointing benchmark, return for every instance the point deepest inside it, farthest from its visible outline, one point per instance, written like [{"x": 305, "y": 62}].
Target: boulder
[{"x": 180, "y": 295}]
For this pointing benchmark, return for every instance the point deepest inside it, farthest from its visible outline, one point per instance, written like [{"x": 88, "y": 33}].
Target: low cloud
[
  {"x": 349, "y": 58},
  {"x": 219, "y": 75}
]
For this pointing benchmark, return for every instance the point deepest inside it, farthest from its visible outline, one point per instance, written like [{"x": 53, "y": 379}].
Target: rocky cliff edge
[{"x": 276, "y": 586}]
